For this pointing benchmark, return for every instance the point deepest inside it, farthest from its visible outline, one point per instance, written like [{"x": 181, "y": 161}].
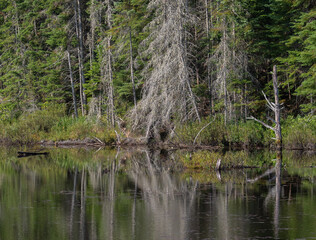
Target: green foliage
[
  {"x": 250, "y": 134},
  {"x": 34, "y": 71},
  {"x": 51, "y": 123},
  {"x": 70, "y": 128},
  {"x": 215, "y": 134},
  {"x": 207, "y": 160},
  {"x": 29, "y": 127},
  {"x": 300, "y": 132},
  {"x": 300, "y": 64}
]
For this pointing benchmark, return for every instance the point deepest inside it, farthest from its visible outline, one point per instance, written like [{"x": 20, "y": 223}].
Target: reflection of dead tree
[
  {"x": 164, "y": 193},
  {"x": 274, "y": 192},
  {"x": 134, "y": 207},
  {"x": 83, "y": 204},
  {"x": 73, "y": 198},
  {"x": 277, "y": 196},
  {"x": 267, "y": 173}
]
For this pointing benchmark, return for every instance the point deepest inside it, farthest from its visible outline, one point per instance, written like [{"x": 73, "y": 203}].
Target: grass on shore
[
  {"x": 51, "y": 123},
  {"x": 298, "y": 133}
]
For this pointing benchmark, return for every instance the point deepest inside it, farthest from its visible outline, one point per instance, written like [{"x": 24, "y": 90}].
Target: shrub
[
  {"x": 207, "y": 159},
  {"x": 214, "y": 134},
  {"x": 248, "y": 133},
  {"x": 300, "y": 132}
]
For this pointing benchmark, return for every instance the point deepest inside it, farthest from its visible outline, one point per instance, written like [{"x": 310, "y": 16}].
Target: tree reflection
[
  {"x": 168, "y": 199},
  {"x": 278, "y": 167},
  {"x": 142, "y": 195}
]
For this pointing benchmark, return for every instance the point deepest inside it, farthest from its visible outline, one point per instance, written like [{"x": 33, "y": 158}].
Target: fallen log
[{"x": 26, "y": 154}]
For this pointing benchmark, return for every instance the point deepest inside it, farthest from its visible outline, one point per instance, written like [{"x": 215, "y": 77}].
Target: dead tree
[
  {"x": 106, "y": 64},
  {"x": 167, "y": 92},
  {"x": 228, "y": 59},
  {"x": 72, "y": 85},
  {"x": 276, "y": 108},
  {"x": 79, "y": 32}
]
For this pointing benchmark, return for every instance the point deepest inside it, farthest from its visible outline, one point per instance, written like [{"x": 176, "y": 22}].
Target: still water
[{"x": 110, "y": 194}]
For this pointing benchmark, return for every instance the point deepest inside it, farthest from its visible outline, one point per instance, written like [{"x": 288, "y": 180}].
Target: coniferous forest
[{"x": 181, "y": 71}]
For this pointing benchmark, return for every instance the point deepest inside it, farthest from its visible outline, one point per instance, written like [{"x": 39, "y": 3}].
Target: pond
[{"x": 129, "y": 194}]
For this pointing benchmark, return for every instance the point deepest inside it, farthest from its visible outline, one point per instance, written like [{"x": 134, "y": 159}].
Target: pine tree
[{"x": 300, "y": 64}]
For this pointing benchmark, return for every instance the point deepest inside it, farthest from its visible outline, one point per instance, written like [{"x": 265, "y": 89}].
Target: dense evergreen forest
[{"x": 155, "y": 66}]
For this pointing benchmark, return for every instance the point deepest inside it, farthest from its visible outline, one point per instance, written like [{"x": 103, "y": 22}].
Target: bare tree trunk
[
  {"x": 275, "y": 107},
  {"x": 93, "y": 23},
  {"x": 109, "y": 65},
  {"x": 185, "y": 58},
  {"x": 72, "y": 85},
  {"x": 209, "y": 77},
  {"x": 277, "y": 111},
  {"x": 224, "y": 74},
  {"x": 79, "y": 31},
  {"x": 131, "y": 63},
  {"x": 111, "y": 94},
  {"x": 246, "y": 102}
]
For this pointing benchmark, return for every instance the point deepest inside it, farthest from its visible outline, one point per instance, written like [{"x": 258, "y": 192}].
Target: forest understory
[{"x": 53, "y": 128}]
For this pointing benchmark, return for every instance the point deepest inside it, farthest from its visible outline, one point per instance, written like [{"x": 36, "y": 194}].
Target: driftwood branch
[{"x": 99, "y": 140}]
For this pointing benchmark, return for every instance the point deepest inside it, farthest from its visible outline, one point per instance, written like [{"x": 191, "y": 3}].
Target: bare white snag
[
  {"x": 79, "y": 31},
  {"x": 72, "y": 85},
  {"x": 167, "y": 92},
  {"x": 132, "y": 66},
  {"x": 229, "y": 60},
  {"x": 106, "y": 66},
  {"x": 276, "y": 108}
]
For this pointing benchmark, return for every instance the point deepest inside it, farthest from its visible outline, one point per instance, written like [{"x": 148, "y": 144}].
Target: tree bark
[
  {"x": 109, "y": 65},
  {"x": 131, "y": 63},
  {"x": 72, "y": 86},
  {"x": 209, "y": 77},
  {"x": 275, "y": 107},
  {"x": 278, "y": 134},
  {"x": 78, "y": 17},
  {"x": 224, "y": 73}
]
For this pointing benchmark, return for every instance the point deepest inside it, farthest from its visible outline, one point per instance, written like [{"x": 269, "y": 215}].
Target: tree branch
[
  {"x": 271, "y": 105},
  {"x": 203, "y": 129},
  {"x": 271, "y": 119},
  {"x": 264, "y": 124}
]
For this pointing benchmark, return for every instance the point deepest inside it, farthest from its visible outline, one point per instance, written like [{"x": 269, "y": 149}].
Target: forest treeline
[{"x": 150, "y": 65}]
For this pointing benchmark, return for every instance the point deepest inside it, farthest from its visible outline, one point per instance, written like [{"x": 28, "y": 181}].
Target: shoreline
[{"x": 141, "y": 142}]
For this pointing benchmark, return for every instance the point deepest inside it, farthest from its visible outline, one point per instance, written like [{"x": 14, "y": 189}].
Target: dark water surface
[{"x": 89, "y": 194}]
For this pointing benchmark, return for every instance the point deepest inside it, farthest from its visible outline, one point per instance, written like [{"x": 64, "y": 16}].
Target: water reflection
[
  {"x": 76, "y": 194},
  {"x": 278, "y": 168},
  {"x": 167, "y": 199}
]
